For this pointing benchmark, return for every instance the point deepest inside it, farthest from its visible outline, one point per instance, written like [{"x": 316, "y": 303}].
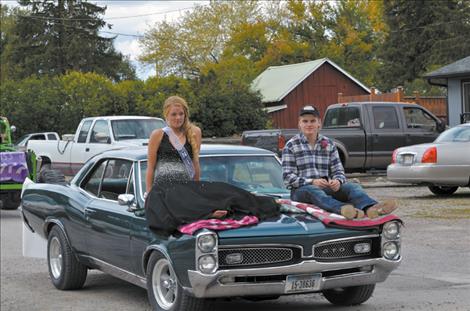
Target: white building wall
[{"x": 454, "y": 95}]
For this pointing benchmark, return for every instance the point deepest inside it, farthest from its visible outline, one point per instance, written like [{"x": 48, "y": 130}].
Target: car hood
[{"x": 283, "y": 225}]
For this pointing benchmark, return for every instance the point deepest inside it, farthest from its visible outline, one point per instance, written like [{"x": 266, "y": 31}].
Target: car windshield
[
  {"x": 455, "y": 134},
  {"x": 260, "y": 174},
  {"x": 22, "y": 140},
  {"x": 135, "y": 128}
]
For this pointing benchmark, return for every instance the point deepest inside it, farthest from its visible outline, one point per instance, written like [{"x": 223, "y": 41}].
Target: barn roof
[{"x": 277, "y": 81}]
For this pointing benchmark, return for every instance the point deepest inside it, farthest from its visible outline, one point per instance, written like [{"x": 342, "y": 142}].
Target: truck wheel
[
  {"x": 442, "y": 190},
  {"x": 51, "y": 177},
  {"x": 164, "y": 291},
  {"x": 64, "y": 269},
  {"x": 10, "y": 200},
  {"x": 349, "y": 296}
]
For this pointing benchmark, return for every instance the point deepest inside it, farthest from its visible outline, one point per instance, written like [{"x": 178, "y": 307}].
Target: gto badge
[{"x": 234, "y": 258}]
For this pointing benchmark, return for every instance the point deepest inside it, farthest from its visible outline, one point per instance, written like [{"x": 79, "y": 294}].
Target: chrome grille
[
  {"x": 340, "y": 249},
  {"x": 255, "y": 256}
]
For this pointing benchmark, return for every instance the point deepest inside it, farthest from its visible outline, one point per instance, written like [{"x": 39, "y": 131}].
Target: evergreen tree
[
  {"x": 423, "y": 34},
  {"x": 52, "y": 37}
]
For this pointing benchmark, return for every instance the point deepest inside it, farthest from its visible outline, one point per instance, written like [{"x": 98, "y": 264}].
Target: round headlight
[
  {"x": 206, "y": 243},
  {"x": 207, "y": 263},
  {"x": 390, "y": 250},
  {"x": 391, "y": 230}
]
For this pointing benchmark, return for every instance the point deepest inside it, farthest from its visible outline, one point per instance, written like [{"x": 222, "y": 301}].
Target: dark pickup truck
[{"x": 366, "y": 134}]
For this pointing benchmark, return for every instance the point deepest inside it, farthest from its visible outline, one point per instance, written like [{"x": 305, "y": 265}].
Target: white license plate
[
  {"x": 407, "y": 159},
  {"x": 303, "y": 283}
]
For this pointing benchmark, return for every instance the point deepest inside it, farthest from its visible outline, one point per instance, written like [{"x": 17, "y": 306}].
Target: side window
[
  {"x": 385, "y": 118},
  {"x": 38, "y": 137},
  {"x": 419, "y": 119},
  {"x": 115, "y": 179},
  {"x": 93, "y": 182},
  {"x": 51, "y": 137},
  {"x": 84, "y": 131},
  {"x": 100, "y": 133},
  {"x": 342, "y": 117}
]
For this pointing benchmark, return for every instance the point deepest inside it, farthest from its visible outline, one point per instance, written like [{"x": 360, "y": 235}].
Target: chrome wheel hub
[
  {"x": 164, "y": 284},
  {"x": 55, "y": 257}
]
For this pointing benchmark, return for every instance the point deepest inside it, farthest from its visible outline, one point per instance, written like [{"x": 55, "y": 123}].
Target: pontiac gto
[{"x": 97, "y": 221}]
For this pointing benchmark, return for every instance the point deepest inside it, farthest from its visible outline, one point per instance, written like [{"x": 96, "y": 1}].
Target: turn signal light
[
  {"x": 394, "y": 156},
  {"x": 430, "y": 155},
  {"x": 281, "y": 142}
]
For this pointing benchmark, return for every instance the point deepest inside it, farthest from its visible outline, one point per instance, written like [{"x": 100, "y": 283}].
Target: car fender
[
  {"x": 148, "y": 251},
  {"x": 341, "y": 150}
]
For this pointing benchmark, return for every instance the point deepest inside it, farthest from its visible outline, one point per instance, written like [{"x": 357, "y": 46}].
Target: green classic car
[{"x": 97, "y": 221}]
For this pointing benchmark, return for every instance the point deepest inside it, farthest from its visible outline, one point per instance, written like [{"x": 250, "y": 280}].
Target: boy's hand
[
  {"x": 334, "y": 184},
  {"x": 321, "y": 183}
]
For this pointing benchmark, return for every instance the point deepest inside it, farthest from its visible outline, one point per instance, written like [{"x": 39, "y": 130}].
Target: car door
[
  {"x": 109, "y": 222},
  {"x": 386, "y": 134},
  {"x": 78, "y": 153},
  {"x": 420, "y": 126}
]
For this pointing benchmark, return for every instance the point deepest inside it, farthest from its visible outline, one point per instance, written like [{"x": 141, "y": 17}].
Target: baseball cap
[{"x": 309, "y": 110}]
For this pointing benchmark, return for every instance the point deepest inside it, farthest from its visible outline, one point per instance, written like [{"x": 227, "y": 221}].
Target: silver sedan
[{"x": 443, "y": 165}]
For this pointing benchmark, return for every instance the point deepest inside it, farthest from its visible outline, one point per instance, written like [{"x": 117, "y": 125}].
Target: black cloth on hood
[{"x": 170, "y": 206}]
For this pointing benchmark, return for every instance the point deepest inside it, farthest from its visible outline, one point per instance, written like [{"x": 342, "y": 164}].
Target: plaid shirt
[{"x": 301, "y": 162}]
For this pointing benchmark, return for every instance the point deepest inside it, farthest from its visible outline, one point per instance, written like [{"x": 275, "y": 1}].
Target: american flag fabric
[
  {"x": 333, "y": 219},
  {"x": 300, "y": 161},
  {"x": 218, "y": 224}
]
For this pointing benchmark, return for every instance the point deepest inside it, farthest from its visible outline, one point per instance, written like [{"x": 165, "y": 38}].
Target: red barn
[{"x": 286, "y": 89}]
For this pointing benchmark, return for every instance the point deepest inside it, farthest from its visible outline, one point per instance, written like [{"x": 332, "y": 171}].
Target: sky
[{"x": 131, "y": 19}]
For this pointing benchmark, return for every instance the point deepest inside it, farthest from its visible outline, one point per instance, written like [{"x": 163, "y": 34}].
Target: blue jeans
[{"x": 348, "y": 193}]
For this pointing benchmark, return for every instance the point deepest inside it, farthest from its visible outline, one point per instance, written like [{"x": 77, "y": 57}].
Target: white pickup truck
[{"x": 94, "y": 135}]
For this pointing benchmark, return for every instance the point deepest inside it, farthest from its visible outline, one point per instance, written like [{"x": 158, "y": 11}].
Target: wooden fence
[{"x": 436, "y": 104}]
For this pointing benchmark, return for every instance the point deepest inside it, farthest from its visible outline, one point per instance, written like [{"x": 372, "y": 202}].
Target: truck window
[
  {"x": 100, "y": 133},
  {"x": 342, "y": 117},
  {"x": 51, "y": 137},
  {"x": 417, "y": 118},
  {"x": 385, "y": 118},
  {"x": 38, "y": 137},
  {"x": 84, "y": 132}
]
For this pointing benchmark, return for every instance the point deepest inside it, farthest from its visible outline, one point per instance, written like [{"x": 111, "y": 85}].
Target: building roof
[
  {"x": 456, "y": 69},
  {"x": 277, "y": 81}
]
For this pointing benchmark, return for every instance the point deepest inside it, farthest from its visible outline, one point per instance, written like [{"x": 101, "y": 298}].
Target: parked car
[
  {"x": 364, "y": 133},
  {"x": 22, "y": 142},
  {"x": 98, "y": 221},
  {"x": 94, "y": 135},
  {"x": 443, "y": 165}
]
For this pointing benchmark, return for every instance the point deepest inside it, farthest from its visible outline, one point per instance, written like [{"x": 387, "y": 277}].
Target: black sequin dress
[{"x": 170, "y": 168}]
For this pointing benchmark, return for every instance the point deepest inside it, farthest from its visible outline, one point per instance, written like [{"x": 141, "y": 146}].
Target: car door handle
[
  {"x": 89, "y": 210},
  {"x": 87, "y": 149}
]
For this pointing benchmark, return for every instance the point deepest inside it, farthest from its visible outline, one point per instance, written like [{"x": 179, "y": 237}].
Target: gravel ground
[{"x": 434, "y": 274}]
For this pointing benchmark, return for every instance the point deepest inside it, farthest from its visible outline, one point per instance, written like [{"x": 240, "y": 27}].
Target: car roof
[
  {"x": 372, "y": 103},
  {"x": 121, "y": 117},
  {"x": 137, "y": 154}
]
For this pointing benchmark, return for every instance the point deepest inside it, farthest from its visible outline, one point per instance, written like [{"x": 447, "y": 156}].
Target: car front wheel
[
  {"x": 164, "y": 290},
  {"x": 442, "y": 190},
  {"x": 64, "y": 269},
  {"x": 349, "y": 296}
]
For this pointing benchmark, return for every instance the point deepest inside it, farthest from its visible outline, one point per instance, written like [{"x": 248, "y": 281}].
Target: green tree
[
  {"x": 357, "y": 34},
  {"x": 198, "y": 38},
  {"x": 227, "y": 107},
  {"x": 53, "y": 37},
  {"x": 423, "y": 34}
]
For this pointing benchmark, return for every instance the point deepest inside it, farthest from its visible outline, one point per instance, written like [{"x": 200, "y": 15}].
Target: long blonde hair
[{"x": 188, "y": 127}]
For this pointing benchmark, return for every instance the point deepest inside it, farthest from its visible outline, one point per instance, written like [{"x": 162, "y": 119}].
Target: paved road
[{"x": 434, "y": 275}]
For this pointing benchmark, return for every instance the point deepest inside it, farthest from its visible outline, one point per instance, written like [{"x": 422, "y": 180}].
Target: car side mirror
[
  {"x": 68, "y": 137},
  {"x": 440, "y": 126},
  {"x": 127, "y": 200}
]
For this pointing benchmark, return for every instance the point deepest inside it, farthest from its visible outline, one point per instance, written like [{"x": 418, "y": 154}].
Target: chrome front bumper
[{"x": 211, "y": 286}]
